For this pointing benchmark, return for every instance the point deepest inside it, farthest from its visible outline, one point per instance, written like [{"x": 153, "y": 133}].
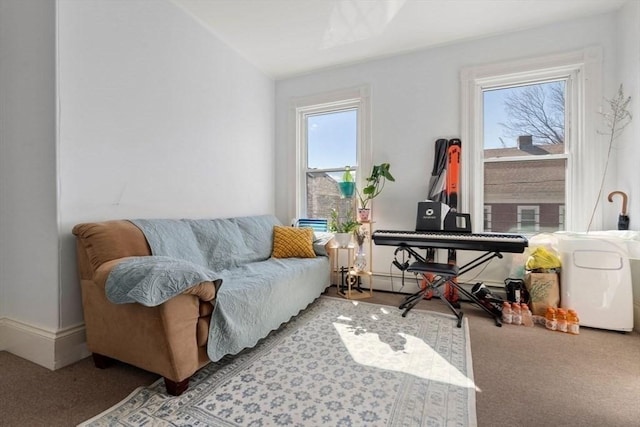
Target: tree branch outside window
[{"x": 536, "y": 110}]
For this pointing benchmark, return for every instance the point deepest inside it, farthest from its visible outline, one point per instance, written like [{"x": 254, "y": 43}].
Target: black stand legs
[{"x": 445, "y": 273}]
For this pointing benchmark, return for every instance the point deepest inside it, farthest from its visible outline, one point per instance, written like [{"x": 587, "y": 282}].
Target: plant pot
[
  {"x": 363, "y": 214},
  {"x": 343, "y": 239},
  {"x": 347, "y": 189}
]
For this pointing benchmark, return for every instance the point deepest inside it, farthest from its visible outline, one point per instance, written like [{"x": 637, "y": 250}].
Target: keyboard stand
[{"x": 445, "y": 273}]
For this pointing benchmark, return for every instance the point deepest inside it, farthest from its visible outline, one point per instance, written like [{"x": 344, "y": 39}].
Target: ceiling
[{"x": 284, "y": 38}]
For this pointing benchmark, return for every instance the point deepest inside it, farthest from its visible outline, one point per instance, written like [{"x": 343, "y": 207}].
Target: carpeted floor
[{"x": 525, "y": 376}]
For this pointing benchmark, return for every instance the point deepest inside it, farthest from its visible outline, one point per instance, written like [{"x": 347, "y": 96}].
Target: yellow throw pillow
[{"x": 292, "y": 242}]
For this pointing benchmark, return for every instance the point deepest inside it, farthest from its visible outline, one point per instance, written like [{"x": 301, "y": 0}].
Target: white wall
[
  {"x": 28, "y": 209},
  {"x": 415, "y": 100},
  {"x": 628, "y": 145},
  {"x": 156, "y": 117}
]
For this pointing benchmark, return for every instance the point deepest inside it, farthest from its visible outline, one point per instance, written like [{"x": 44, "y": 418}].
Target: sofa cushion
[
  {"x": 257, "y": 232},
  {"x": 172, "y": 237},
  {"x": 226, "y": 248},
  {"x": 259, "y": 296},
  {"x": 292, "y": 242},
  {"x": 216, "y": 244}
]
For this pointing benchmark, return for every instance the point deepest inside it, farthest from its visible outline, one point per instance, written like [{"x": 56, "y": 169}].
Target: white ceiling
[{"x": 289, "y": 37}]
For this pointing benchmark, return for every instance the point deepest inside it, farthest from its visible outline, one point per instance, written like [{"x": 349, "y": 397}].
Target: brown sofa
[{"x": 169, "y": 339}]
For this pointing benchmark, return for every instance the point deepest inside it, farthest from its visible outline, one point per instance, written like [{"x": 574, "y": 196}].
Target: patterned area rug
[{"x": 338, "y": 363}]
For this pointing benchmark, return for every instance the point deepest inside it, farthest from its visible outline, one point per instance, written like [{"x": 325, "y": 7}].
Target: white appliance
[{"x": 595, "y": 280}]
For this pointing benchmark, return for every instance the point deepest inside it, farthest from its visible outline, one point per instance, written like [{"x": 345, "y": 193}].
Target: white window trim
[
  {"x": 584, "y": 144},
  {"x": 360, "y": 98}
]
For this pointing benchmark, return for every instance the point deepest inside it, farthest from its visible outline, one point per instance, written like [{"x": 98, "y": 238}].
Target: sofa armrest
[
  {"x": 205, "y": 291},
  {"x": 102, "y": 272},
  {"x": 160, "y": 339},
  {"x": 322, "y": 243},
  {"x": 330, "y": 244}
]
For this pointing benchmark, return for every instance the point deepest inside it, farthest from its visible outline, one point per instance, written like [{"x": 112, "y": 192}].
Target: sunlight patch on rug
[
  {"x": 338, "y": 363},
  {"x": 415, "y": 358}
]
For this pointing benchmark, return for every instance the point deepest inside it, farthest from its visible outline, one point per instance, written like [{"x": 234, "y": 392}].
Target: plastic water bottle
[
  {"x": 517, "y": 314},
  {"x": 527, "y": 316},
  {"x": 562, "y": 320},
  {"x": 507, "y": 313},
  {"x": 551, "y": 322},
  {"x": 573, "y": 323}
]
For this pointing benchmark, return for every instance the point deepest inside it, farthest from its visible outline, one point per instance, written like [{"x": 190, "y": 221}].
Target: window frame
[
  {"x": 582, "y": 150},
  {"x": 355, "y": 98}
]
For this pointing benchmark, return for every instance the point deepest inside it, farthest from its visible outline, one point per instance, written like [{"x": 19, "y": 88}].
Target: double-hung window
[
  {"x": 331, "y": 137},
  {"x": 524, "y": 151},
  {"x": 531, "y": 147}
]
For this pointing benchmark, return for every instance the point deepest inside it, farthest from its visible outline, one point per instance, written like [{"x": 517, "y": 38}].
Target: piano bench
[{"x": 435, "y": 268}]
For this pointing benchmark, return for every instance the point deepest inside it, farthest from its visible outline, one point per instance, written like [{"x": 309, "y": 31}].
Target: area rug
[{"x": 338, "y": 363}]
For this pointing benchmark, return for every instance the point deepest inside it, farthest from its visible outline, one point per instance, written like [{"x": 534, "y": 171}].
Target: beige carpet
[{"x": 526, "y": 377}]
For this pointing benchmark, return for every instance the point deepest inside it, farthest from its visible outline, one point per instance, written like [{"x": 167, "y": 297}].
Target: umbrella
[{"x": 623, "y": 218}]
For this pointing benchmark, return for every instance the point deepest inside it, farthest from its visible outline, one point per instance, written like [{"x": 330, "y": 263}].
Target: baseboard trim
[{"x": 50, "y": 349}]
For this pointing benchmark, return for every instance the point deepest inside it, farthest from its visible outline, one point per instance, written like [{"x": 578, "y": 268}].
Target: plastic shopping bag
[{"x": 542, "y": 259}]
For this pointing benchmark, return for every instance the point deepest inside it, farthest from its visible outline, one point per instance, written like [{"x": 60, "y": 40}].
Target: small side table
[{"x": 348, "y": 279}]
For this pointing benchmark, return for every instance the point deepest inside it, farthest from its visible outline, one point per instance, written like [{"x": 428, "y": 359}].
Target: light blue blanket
[
  {"x": 216, "y": 244},
  {"x": 152, "y": 280},
  {"x": 259, "y": 297},
  {"x": 259, "y": 293}
]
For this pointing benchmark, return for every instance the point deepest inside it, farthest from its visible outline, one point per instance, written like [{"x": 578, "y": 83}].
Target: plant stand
[{"x": 352, "y": 283}]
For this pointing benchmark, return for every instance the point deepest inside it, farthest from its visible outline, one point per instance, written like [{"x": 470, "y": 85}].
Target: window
[
  {"x": 332, "y": 141},
  {"x": 524, "y": 154},
  {"x": 332, "y": 134},
  {"x": 528, "y": 219},
  {"x": 487, "y": 218},
  {"x": 531, "y": 143}
]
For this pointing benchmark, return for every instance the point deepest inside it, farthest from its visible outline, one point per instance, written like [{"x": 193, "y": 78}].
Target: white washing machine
[{"x": 595, "y": 280}]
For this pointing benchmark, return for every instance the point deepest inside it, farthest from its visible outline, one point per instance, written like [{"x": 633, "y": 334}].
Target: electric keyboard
[{"x": 495, "y": 242}]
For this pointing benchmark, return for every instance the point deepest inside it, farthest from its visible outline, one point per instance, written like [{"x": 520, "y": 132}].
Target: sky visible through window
[
  {"x": 539, "y": 101},
  {"x": 494, "y": 113},
  {"x": 332, "y": 139}
]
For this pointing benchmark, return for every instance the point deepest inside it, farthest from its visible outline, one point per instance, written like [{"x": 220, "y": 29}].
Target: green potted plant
[
  {"x": 343, "y": 228},
  {"x": 348, "y": 184},
  {"x": 375, "y": 183}
]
